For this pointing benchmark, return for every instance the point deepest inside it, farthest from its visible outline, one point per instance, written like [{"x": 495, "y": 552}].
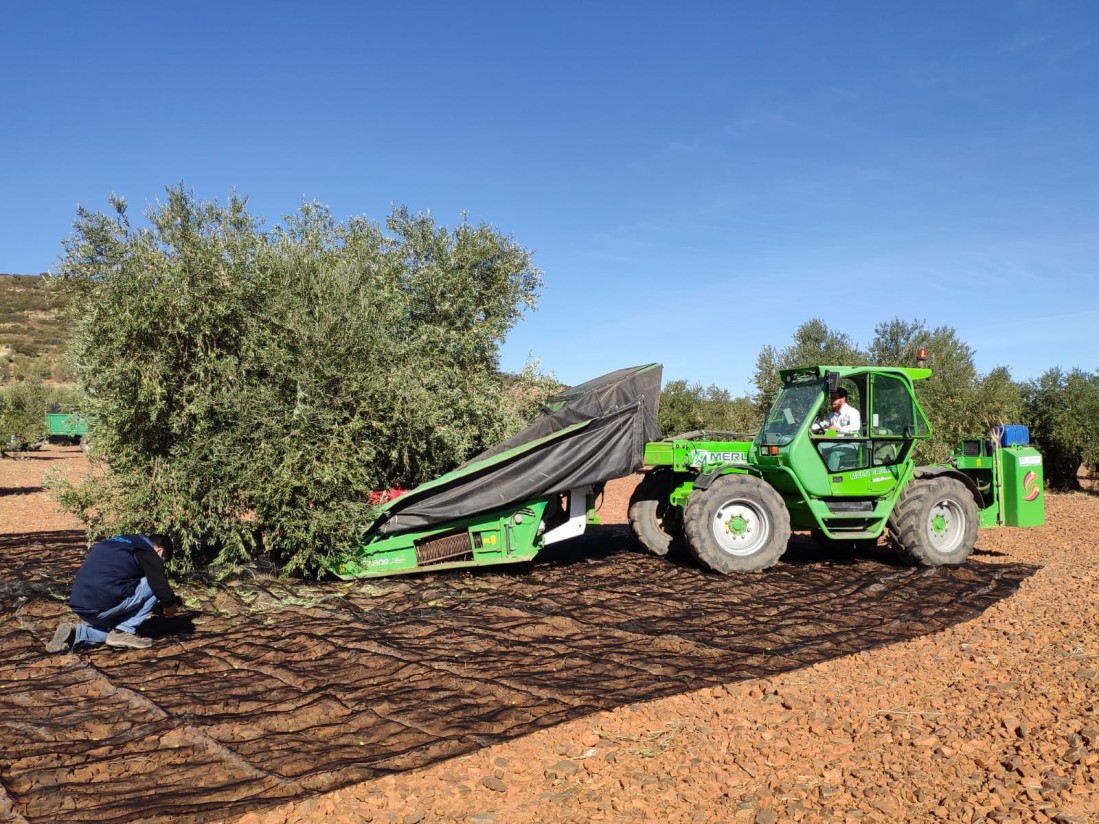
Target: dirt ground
[{"x": 597, "y": 684}]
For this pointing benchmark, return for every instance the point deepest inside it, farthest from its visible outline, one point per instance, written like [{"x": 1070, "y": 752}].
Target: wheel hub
[
  {"x": 740, "y": 528},
  {"x": 944, "y": 525}
]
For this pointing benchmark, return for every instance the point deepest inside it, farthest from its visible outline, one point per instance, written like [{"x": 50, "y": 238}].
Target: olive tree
[
  {"x": 251, "y": 386},
  {"x": 815, "y": 343},
  {"x": 1063, "y": 414},
  {"x": 22, "y": 414},
  {"x": 957, "y": 399},
  {"x": 686, "y": 407}
]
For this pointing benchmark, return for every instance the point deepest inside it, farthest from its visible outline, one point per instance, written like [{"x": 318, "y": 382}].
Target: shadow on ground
[
  {"x": 20, "y": 490},
  {"x": 283, "y": 691}
]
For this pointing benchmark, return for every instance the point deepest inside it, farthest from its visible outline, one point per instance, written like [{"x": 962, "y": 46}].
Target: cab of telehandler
[{"x": 863, "y": 458}]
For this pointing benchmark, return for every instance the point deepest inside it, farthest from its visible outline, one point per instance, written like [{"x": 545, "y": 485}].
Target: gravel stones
[{"x": 992, "y": 719}]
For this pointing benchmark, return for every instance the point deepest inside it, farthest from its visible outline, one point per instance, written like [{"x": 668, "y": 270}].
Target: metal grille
[{"x": 453, "y": 547}]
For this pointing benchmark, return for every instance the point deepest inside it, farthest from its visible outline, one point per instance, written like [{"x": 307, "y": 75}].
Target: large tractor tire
[
  {"x": 737, "y": 524},
  {"x": 650, "y": 521},
  {"x": 935, "y": 522}
]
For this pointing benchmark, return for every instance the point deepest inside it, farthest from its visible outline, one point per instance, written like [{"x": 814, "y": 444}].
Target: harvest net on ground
[{"x": 269, "y": 691}]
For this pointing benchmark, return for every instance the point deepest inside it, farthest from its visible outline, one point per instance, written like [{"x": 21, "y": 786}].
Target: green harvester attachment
[{"x": 534, "y": 489}]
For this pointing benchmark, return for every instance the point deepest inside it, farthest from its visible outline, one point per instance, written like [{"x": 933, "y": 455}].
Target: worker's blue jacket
[{"x": 111, "y": 572}]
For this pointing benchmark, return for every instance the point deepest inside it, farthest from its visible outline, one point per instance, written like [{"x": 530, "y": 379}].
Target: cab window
[
  {"x": 893, "y": 421},
  {"x": 842, "y": 452},
  {"x": 894, "y": 415}
]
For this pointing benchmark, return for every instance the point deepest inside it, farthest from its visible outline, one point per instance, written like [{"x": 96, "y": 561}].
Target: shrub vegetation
[{"x": 33, "y": 330}]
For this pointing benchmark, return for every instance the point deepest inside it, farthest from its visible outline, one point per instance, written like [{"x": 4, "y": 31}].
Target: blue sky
[{"x": 696, "y": 179}]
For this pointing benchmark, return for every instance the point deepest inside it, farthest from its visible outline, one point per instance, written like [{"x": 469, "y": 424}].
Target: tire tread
[
  {"x": 698, "y": 517},
  {"x": 907, "y": 524},
  {"x": 643, "y": 513}
]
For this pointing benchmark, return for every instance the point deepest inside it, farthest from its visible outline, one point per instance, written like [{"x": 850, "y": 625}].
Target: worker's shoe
[
  {"x": 127, "y": 640},
  {"x": 63, "y": 638}
]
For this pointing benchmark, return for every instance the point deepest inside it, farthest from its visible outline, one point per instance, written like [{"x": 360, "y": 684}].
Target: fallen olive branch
[{"x": 657, "y": 741}]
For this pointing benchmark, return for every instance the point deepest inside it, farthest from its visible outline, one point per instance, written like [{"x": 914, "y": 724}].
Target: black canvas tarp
[{"x": 587, "y": 434}]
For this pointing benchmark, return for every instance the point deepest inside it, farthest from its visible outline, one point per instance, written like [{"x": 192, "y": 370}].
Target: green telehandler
[{"x": 846, "y": 488}]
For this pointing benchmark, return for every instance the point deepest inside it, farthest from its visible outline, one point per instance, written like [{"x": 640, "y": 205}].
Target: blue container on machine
[{"x": 1014, "y": 434}]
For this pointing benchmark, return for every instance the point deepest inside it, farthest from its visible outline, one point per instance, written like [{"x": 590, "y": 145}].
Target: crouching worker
[{"x": 119, "y": 585}]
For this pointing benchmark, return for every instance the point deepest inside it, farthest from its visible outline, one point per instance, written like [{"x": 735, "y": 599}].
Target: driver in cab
[{"x": 845, "y": 419}]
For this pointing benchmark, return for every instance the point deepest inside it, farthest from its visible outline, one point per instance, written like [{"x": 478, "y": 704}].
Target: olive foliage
[
  {"x": 958, "y": 400},
  {"x": 23, "y": 407},
  {"x": 22, "y": 414},
  {"x": 814, "y": 344},
  {"x": 251, "y": 386},
  {"x": 1063, "y": 413},
  {"x": 687, "y": 407}
]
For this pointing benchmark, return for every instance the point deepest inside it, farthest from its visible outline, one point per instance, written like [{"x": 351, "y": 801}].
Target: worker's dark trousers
[{"x": 126, "y": 617}]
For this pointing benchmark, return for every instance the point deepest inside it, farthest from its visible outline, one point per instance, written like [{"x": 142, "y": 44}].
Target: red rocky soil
[{"x": 598, "y": 684}]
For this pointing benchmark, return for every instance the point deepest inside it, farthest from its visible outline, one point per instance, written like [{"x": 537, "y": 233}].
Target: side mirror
[{"x": 832, "y": 381}]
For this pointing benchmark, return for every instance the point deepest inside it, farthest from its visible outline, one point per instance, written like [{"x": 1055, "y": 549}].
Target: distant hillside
[{"x": 34, "y": 329}]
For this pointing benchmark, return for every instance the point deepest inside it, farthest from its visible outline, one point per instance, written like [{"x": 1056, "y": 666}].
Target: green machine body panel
[
  {"x": 695, "y": 451},
  {"x": 66, "y": 425},
  {"x": 1009, "y": 479},
  {"x": 691, "y": 453},
  {"x": 1023, "y": 496},
  {"x": 510, "y": 536},
  {"x": 977, "y": 458}
]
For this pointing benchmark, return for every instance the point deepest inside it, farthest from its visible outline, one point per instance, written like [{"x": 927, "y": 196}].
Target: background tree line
[{"x": 252, "y": 385}]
